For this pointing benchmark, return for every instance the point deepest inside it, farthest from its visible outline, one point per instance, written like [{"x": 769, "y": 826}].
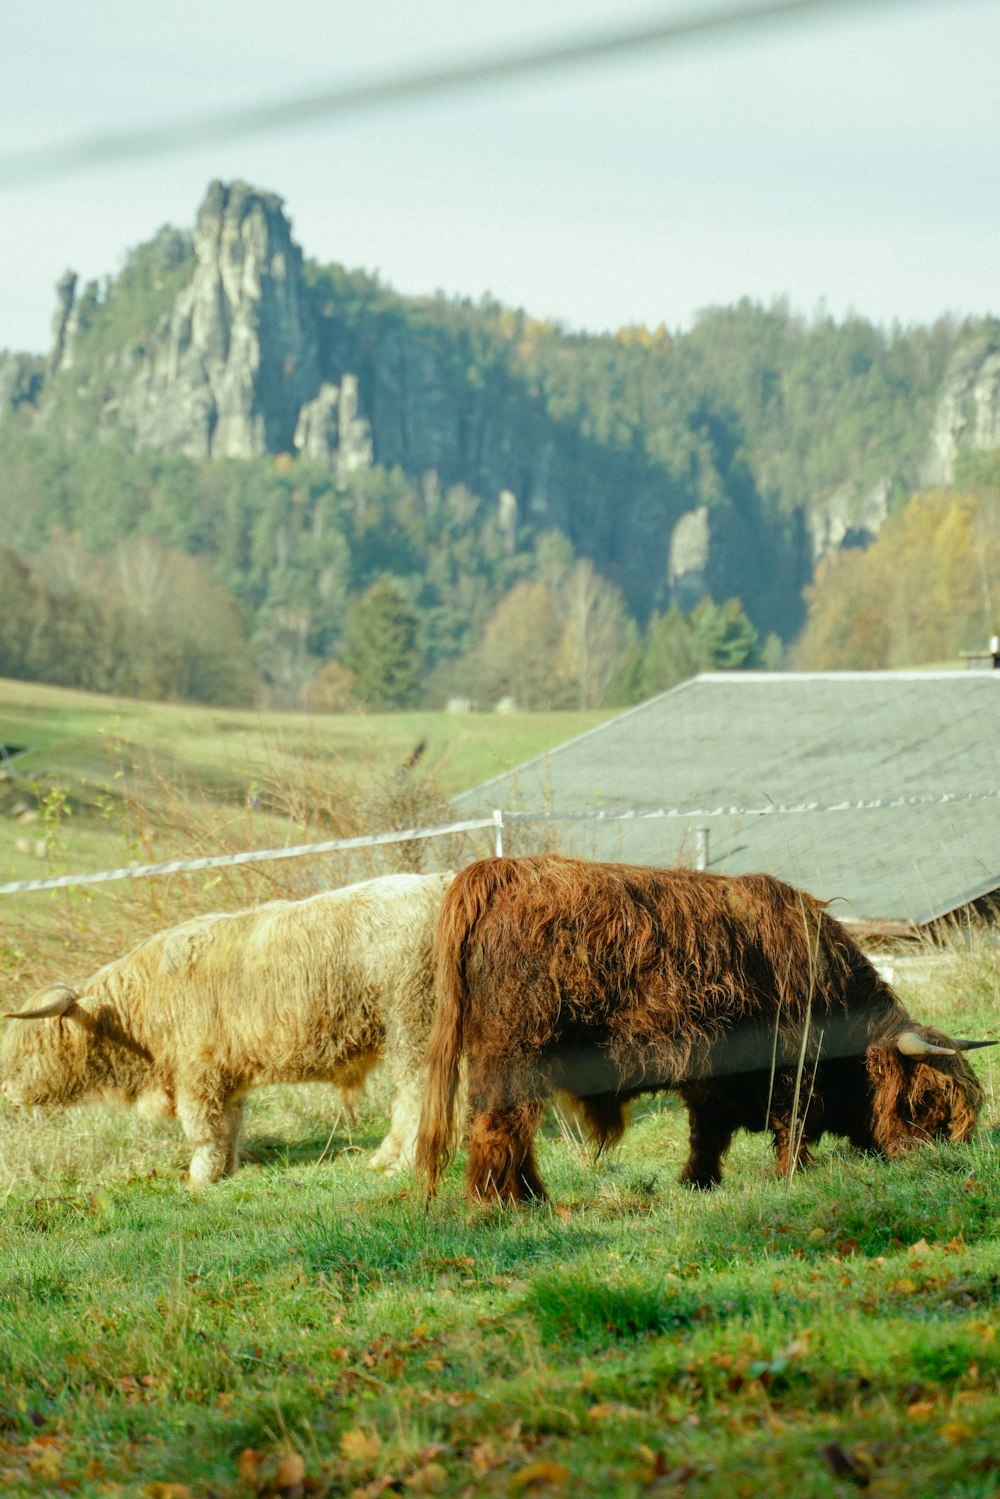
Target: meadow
[{"x": 311, "y": 1327}]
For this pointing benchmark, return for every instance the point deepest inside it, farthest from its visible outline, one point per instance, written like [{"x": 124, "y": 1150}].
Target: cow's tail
[{"x": 464, "y": 902}]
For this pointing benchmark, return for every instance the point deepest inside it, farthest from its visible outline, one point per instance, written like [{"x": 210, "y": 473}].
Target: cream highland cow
[{"x": 194, "y": 1018}]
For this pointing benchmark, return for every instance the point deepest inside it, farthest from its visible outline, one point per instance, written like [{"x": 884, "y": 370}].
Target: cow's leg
[
  {"x": 501, "y": 1159},
  {"x": 211, "y": 1127},
  {"x": 406, "y": 1023},
  {"x": 232, "y": 1121},
  {"x": 349, "y": 1080},
  {"x": 710, "y": 1135},
  {"x": 397, "y": 1149},
  {"x": 783, "y": 1148},
  {"x": 604, "y": 1116}
]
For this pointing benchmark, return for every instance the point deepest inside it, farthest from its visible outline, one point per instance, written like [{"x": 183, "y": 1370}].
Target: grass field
[
  {"x": 309, "y": 1327},
  {"x": 78, "y": 734},
  {"x": 106, "y": 782}
]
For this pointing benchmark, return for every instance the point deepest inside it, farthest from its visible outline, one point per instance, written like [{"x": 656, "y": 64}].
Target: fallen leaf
[
  {"x": 852, "y": 1465},
  {"x": 798, "y": 1347},
  {"x": 654, "y": 1464},
  {"x": 956, "y": 1432},
  {"x": 600, "y": 1411},
  {"x": 484, "y": 1457},
  {"x": 539, "y": 1474},
  {"x": 288, "y": 1473},
  {"x": 360, "y": 1446},
  {"x": 430, "y": 1479},
  {"x": 920, "y": 1410},
  {"x": 682, "y": 1474},
  {"x": 249, "y": 1464}
]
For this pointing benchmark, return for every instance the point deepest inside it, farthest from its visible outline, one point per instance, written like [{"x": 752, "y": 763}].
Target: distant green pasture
[{"x": 74, "y": 733}]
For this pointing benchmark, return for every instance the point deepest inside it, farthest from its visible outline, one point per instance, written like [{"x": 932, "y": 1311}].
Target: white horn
[
  {"x": 912, "y": 1044},
  {"x": 65, "y": 1000}
]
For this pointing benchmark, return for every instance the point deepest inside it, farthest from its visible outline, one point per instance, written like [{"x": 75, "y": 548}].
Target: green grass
[
  {"x": 309, "y": 1327},
  {"x": 635, "y": 1338},
  {"x": 71, "y": 733}
]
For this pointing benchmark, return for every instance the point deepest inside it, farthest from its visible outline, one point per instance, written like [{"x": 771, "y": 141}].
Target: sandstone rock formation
[
  {"x": 21, "y": 379},
  {"x": 64, "y": 323},
  {"x": 237, "y": 352},
  {"x": 330, "y": 430},
  {"x": 237, "y": 358},
  {"x": 968, "y": 413},
  {"x": 844, "y": 520},
  {"x": 688, "y": 563}
]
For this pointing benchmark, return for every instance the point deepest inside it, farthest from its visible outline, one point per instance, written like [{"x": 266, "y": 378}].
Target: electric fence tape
[
  {"x": 253, "y": 856},
  {"x": 496, "y": 821}
]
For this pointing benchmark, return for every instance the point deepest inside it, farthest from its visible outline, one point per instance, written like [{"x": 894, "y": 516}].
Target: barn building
[{"x": 878, "y": 791}]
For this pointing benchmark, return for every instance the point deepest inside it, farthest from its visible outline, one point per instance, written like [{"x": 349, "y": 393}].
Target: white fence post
[{"x": 498, "y": 824}]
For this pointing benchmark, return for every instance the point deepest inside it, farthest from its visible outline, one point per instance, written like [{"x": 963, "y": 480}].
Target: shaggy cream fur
[{"x": 194, "y": 1018}]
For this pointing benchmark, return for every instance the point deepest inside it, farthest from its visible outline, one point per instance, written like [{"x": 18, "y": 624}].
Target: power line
[{"x": 75, "y": 155}]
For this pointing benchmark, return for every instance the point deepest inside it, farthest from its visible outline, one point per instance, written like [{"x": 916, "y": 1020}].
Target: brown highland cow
[{"x": 605, "y": 981}]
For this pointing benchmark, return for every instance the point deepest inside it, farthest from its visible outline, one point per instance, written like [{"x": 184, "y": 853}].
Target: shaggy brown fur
[
  {"x": 605, "y": 981},
  {"x": 195, "y": 1017}
]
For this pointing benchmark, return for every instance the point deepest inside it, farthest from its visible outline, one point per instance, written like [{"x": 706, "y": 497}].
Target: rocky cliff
[
  {"x": 221, "y": 343},
  {"x": 228, "y": 370},
  {"x": 243, "y": 362},
  {"x": 22, "y": 377},
  {"x": 968, "y": 411}
]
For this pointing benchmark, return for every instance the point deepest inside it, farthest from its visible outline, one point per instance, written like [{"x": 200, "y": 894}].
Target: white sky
[{"x": 847, "y": 160}]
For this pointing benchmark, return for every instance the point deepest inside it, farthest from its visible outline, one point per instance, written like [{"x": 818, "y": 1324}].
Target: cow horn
[
  {"x": 971, "y": 1045},
  {"x": 63, "y": 1002},
  {"x": 912, "y": 1044}
]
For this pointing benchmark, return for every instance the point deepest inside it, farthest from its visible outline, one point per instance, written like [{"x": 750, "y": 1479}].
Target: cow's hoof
[
  {"x": 389, "y": 1165},
  {"x": 700, "y": 1183}
]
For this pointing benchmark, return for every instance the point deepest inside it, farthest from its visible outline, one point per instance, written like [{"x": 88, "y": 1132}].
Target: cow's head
[
  {"x": 45, "y": 1058},
  {"x": 923, "y": 1089}
]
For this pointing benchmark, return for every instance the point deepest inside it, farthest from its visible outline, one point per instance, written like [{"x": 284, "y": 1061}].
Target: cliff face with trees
[{"x": 306, "y": 435}]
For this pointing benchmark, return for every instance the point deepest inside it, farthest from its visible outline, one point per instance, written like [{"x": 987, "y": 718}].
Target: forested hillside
[{"x": 242, "y": 474}]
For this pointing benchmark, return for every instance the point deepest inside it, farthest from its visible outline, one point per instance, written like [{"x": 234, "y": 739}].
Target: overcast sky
[{"x": 846, "y": 161}]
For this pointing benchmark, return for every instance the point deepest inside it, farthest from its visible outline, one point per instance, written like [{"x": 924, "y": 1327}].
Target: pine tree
[{"x": 382, "y": 647}]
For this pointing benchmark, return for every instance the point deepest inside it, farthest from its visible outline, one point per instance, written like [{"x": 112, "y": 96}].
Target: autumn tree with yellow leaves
[{"x": 925, "y": 591}]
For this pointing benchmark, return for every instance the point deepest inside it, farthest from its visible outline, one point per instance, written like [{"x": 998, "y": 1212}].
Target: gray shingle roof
[{"x": 759, "y": 739}]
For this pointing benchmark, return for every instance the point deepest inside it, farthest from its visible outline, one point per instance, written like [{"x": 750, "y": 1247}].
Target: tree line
[
  {"x": 252, "y": 580},
  {"x": 260, "y": 580},
  {"x": 926, "y": 592},
  {"x": 272, "y": 579}
]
